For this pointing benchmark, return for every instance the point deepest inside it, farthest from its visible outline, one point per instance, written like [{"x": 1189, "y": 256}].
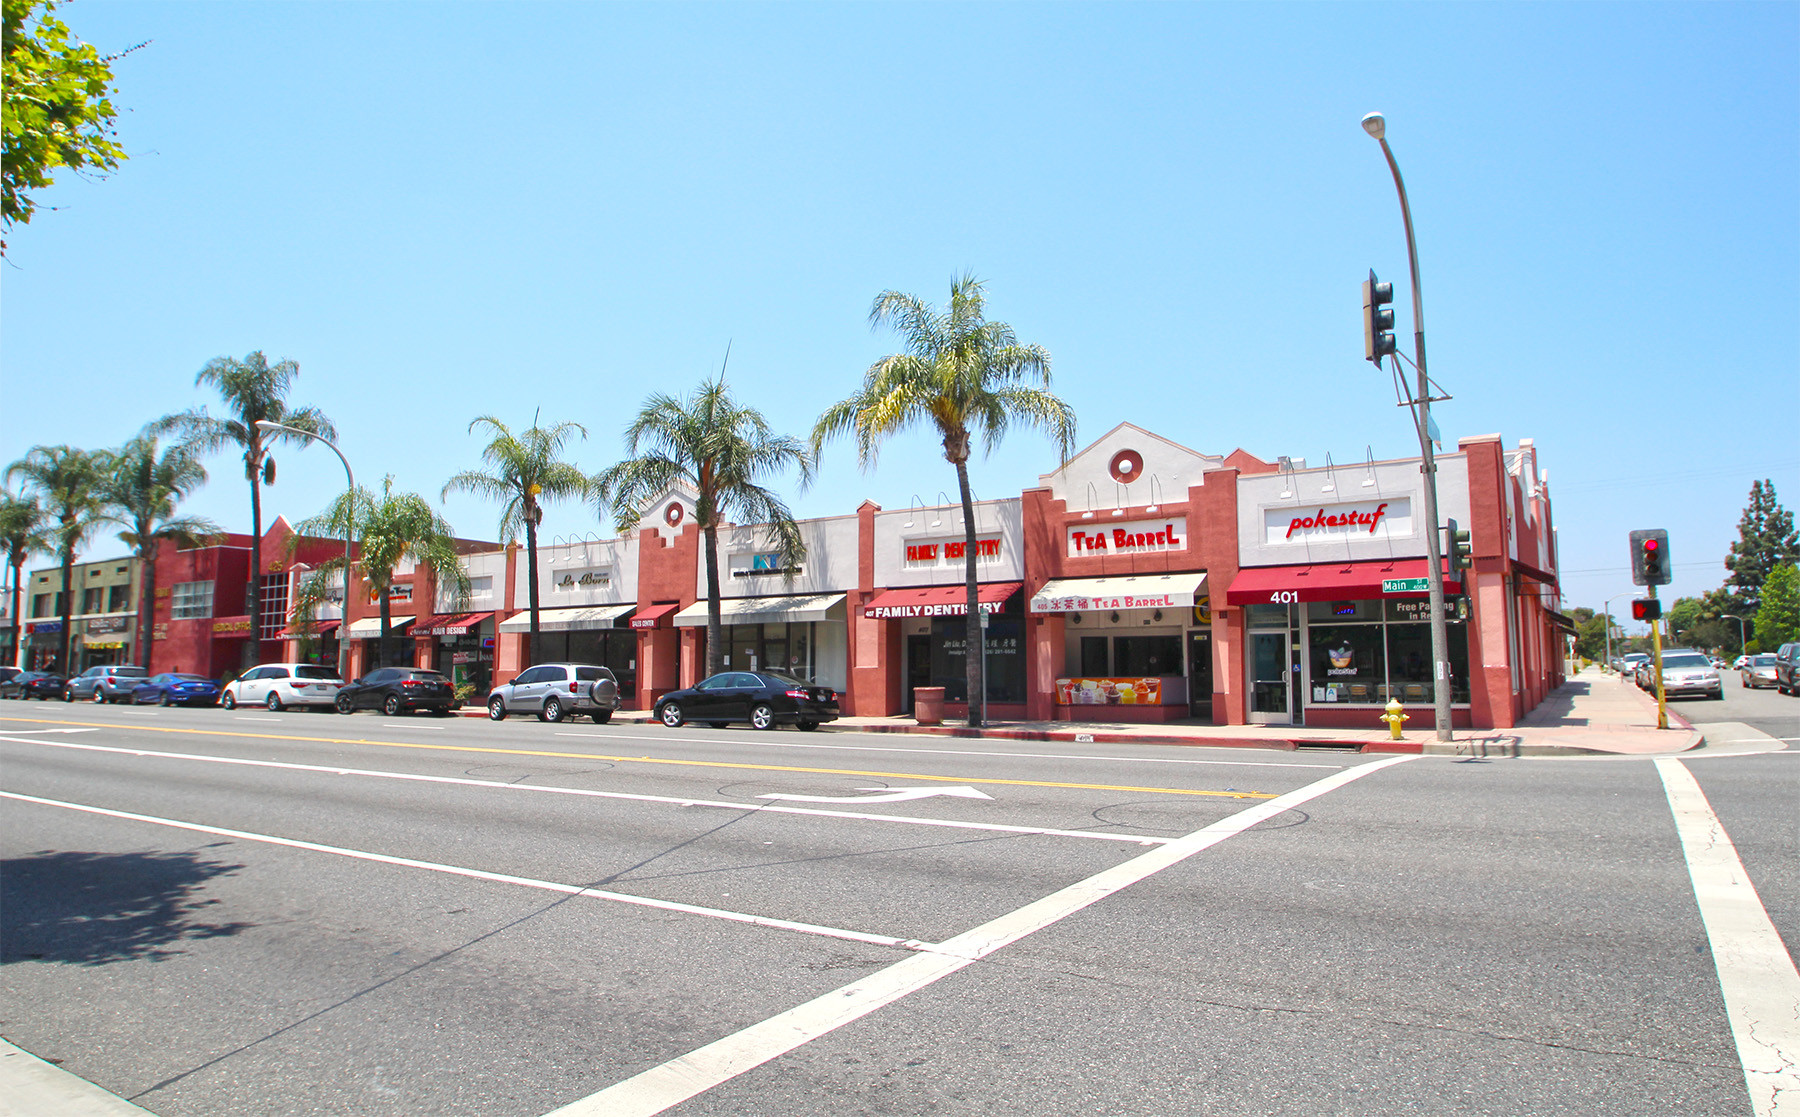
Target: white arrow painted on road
[
  {"x": 888, "y": 795},
  {"x": 14, "y": 732}
]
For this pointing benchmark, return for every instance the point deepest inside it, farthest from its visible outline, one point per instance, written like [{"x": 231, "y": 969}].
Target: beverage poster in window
[{"x": 1109, "y": 692}]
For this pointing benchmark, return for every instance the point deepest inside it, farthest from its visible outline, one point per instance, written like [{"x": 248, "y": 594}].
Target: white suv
[
  {"x": 554, "y": 691},
  {"x": 280, "y": 685}
]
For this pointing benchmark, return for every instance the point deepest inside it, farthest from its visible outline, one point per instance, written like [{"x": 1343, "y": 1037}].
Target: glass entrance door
[{"x": 1271, "y": 688}]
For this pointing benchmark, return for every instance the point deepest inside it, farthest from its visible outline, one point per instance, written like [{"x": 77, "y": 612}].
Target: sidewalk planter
[{"x": 928, "y": 705}]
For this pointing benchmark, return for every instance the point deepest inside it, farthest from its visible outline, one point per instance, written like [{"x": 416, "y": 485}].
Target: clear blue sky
[{"x": 449, "y": 209}]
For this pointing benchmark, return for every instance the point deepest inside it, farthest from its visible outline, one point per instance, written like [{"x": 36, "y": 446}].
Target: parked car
[
  {"x": 554, "y": 691},
  {"x": 33, "y": 684},
  {"x": 1687, "y": 672},
  {"x": 1628, "y": 663},
  {"x": 397, "y": 690},
  {"x": 174, "y": 688},
  {"x": 280, "y": 685},
  {"x": 1718, "y": 662},
  {"x": 87, "y": 686},
  {"x": 1757, "y": 670},
  {"x": 8, "y": 674},
  {"x": 762, "y": 698},
  {"x": 1738, "y": 663},
  {"x": 1787, "y": 668}
]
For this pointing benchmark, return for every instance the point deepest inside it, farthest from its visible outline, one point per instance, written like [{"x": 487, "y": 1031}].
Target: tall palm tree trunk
[
  {"x": 251, "y": 653},
  {"x": 68, "y": 607},
  {"x": 386, "y": 643},
  {"x": 715, "y": 650},
  {"x": 531, "y": 585},
  {"x": 972, "y": 657},
  {"x": 146, "y": 609},
  {"x": 17, "y": 564}
]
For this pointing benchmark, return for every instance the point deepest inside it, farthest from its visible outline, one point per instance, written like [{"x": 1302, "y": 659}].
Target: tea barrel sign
[{"x": 1139, "y": 538}]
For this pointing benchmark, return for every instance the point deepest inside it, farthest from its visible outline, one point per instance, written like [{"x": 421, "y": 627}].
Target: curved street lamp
[
  {"x": 349, "y": 536},
  {"x": 1740, "y": 620},
  {"x": 1376, "y": 125}
]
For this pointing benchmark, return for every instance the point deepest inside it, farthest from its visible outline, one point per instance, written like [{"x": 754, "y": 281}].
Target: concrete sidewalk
[{"x": 1592, "y": 714}]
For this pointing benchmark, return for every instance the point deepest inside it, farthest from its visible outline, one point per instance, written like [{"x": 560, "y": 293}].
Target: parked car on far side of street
[
  {"x": 398, "y": 690},
  {"x": 33, "y": 684},
  {"x": 174, "y": 688},
  {"x": 110, "y": 682},
  {"x": 762, "y": 698},
  {"x": 554, "y": 691},
  {"x": 280, "y": 685},
  {"x": 1758, "y": 670},
  {"x": 1787, "y": 668}
]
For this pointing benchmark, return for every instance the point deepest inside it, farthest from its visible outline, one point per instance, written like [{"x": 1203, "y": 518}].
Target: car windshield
[
  {"x": 189, "y": 678},
  {"x": 429, "y": 677},
  {"x": 1762, "y": 661},
  {"x": 786, "y": 679},
  {"x": 1678, "y": 662},
  {"x": 129, "y": 673},
  {"x": 307, "y": 671},
  {"x": 592, "y": 674}
]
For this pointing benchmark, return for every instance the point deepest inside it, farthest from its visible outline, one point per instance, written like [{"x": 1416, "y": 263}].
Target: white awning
[
  {"x": 568, "y": 619},
  {"x": 768, "y": 610},
  {"x": 368, "y": 628},
  {"x": 1139, "y": 591}
]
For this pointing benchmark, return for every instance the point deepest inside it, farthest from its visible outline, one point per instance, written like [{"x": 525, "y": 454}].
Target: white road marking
[
  {"x": 885, "y": 795},
  {"x": 482, "y": 874},
  {"x": 766, "y": 808},
  {"x": 1756, "y": 973},
  {"x": 962, "y": 752},
  {"x": 700, "y": 1070}
]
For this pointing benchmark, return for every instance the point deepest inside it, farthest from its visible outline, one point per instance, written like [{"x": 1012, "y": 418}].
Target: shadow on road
[{"x": 93, "y": 908}]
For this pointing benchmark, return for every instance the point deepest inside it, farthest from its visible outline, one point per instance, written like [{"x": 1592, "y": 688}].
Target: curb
[{"x": 31, "y": 1087}]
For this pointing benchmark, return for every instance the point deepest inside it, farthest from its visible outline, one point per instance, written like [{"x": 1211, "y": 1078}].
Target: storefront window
[
  {"x": 1005, "y": 658},
  {"x": 1348, "y": 664},
  {"x": 191, "y": 600},
  {"x": 1146, "y": 655},
  {"x": 1094, "y": 661},
  {"x": 1363, "y": 659}
]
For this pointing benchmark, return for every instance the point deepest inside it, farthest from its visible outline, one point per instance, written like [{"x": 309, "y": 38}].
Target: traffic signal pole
[{"x": 1662, "y": 701}]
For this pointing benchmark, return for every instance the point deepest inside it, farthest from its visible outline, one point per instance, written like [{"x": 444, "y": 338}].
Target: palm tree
[
  {"x": 391, "y": 528},
  {"x": 142, "y": 492},
  {"x": 527, "y": 470},
  {"x": 719, "y": 449},
  {"x": 962, "y": 374},
  {"x": 71, "y": 484},
  {"x": 23, "y": 533},
  {"x": 252, "y": 389}
]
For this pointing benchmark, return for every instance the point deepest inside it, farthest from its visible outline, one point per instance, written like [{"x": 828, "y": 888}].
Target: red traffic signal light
[
  {"x": 1650, "y": 557},
  {"x": 1646, "y": 609}
]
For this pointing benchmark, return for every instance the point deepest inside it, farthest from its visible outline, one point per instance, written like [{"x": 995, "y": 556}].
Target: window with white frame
[
  {"x": 191, "y": 600},
  {"x": 273, "y": 614}
]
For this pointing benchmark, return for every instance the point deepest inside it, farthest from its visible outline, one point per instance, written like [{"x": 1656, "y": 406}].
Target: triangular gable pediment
[{"x": 1128, "y": 465}]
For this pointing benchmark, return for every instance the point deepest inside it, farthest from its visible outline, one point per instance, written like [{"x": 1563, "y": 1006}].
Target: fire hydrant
[{"x": 1394, "y": 717}]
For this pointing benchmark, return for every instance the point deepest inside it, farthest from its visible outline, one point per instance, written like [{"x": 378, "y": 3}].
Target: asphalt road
[
  {"x": 1765, "y": 709},
  {"x": 232, "y": 913}
]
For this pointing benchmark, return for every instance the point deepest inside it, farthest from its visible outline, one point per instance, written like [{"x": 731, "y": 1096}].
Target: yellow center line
[{"x": 655, "y": 760}]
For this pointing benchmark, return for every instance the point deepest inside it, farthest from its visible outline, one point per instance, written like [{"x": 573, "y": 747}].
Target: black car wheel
[
  {"x": 497, "y": 708},
  {"x": 343, "y": 704},
  {"x": 274, "y": 703},
  {"x": 229, "y": 701},
  {"x": 68, "y": 695},
  {"x": 601, "y": 717},
  {"x": 670, "y": 715},
  {"x": 552, "y": 711},
  {"x": 98, "y": 698},
  {"x": 762, "y": 716},
  {"x": 391, "y": 707},
  {"x": 807, "y": 725},
  {"x": 165, "y": 700}
]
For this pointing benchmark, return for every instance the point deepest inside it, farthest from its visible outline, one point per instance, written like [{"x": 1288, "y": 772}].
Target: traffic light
[
  {"x": 1457, "y": 548},
  {"x": 1646, "y": 609},
  {"x": 1378, "y": 319},
  {"x": 1650, "y": 557}
]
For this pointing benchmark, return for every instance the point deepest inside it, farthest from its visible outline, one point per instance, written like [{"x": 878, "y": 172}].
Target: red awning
[
  {"x": 320, "y": 628},
  {"x": 650, "y": 616},
  {"x": 938, "y": 601},
  {"x": 455, "y": 624},
  {"x": 1335, "y": 581}
]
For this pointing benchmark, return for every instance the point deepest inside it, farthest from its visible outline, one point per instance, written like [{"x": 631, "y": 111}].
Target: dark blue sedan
[{"x": 177, "y": 690}]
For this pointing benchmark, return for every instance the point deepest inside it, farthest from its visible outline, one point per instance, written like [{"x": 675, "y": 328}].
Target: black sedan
[
  {"x": 175, "y": 689},
  {"x": 397, "y": 690},
  {"x": 762, "y": 698},
  {"x": 33, "y": 684}
]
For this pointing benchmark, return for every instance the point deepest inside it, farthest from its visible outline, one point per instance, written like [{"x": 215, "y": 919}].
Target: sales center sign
[
  {"x": 1370, "y": 519},
  {"x": 1141, "y": 537}
]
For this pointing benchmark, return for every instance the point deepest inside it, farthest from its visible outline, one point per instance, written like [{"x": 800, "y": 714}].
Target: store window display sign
[
  {"x": 1369, "y": 519},
  {"x": 573, "y": 581},
  {"x": 1140, "y": 537}
]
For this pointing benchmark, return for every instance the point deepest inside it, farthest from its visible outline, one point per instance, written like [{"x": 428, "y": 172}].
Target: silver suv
[
  {"x": 554, "y": 691},
  {"x": 110, "y": 682}
]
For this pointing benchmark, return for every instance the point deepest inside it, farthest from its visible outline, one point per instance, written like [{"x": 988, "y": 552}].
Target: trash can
[{"x": 928, "y": 705}]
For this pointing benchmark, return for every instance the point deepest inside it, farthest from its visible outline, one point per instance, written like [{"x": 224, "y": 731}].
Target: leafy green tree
[
  {"x": 71, "y": 484},
  {"x": 720, "y": 449},
  {"x": 390, "y": 528},
  {"x": 146, "y": 485},
  {"x": 23, "y": 533},
  {"x": 1766, "y": 539},
  {"x": 1590, "y": 633},
  {"x": 253, "y": 390},
  {"x": 962, "y": 374},
  {"x": 526, "y": 470},
  {"x": 58, "y": 107},
  {"x": 1778, "y": 619}
]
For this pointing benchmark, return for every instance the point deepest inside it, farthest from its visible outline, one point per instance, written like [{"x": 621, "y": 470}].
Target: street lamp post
[
  {"x": 349, "y": 537},
  {"x": 1376, "y": 126},
  {"x": 1740, "y": 620},
  {"x": 1606, "y": 611}
]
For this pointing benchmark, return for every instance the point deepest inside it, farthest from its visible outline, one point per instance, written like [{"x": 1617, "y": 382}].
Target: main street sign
[{"x": 1405, "y": 585}]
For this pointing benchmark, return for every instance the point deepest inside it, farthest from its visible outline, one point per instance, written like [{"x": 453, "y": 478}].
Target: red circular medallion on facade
[
  {"x": 673, "y": 513},
  {"x": 1127, "y": 466}
]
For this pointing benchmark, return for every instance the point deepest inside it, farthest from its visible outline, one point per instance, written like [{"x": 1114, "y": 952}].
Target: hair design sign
[{"x": 1369, "y": 519}]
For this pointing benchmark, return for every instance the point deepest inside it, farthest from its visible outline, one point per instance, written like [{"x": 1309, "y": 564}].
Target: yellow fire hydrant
[{"x": 1394, "y": 717}]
